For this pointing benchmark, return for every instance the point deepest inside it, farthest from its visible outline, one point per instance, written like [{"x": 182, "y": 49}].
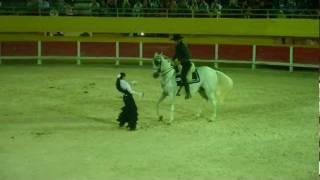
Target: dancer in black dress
[{"x": 129, "y": 113}]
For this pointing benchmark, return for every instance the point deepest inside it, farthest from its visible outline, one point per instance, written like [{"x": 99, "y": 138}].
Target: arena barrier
[{"x": 290, "y": 56}]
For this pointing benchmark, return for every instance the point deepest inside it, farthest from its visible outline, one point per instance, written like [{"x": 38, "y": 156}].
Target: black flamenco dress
[{"x": 129, "y": 112}]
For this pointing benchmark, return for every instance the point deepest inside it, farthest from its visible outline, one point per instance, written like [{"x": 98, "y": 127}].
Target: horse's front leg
[
  {"x": 172, "y": 98},
  {"x": 162, "y": 97}
]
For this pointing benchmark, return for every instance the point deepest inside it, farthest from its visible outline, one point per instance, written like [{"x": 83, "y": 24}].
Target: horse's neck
[
  {"x": 168, "y": 72},
  {"x": 165, "y": 65}
]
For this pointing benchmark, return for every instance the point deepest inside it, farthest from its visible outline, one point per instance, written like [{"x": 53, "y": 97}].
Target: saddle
[{"x": 192, "y": 75}]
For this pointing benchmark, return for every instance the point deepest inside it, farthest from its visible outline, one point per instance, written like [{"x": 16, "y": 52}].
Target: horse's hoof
[
  {"x": 211, "y": 119},
  {"x": 168, "y": 123},
  {"x": 160, "y": 118}
]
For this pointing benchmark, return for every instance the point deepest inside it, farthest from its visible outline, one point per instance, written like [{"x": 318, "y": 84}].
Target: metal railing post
[
  {"x": 254, "y": 55},
  {"x": 39, "y": 60},
  {"x": 216, "y": 55},
  {"x": 141, "y": 53},
  {"x": 117, "y": 53},
  {"x": 78, "y": 52},
  {"x": 291, "y": 59}
]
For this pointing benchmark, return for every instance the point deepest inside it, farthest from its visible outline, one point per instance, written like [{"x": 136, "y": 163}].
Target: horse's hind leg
[
  {"x": 213, "y": 102},
  {"x": 203, "y": 94}
]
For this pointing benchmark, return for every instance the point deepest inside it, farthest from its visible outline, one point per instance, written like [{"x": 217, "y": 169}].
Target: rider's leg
[
  {"x": 176, "y": 68},
  {"x": 185, "y": 69}
]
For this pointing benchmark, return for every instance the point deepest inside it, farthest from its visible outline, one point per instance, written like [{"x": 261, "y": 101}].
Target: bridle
[{"x": 159, "y": 62}]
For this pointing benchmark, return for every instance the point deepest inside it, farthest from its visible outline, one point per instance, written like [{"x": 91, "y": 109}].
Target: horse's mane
[{"x": 164, "y": 57}]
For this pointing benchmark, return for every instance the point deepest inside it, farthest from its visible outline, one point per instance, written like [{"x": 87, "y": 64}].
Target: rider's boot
[{"x": 187, "y": 88}]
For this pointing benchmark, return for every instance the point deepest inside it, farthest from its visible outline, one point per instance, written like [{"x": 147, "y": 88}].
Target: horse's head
[{"x": 157, "y": 62}]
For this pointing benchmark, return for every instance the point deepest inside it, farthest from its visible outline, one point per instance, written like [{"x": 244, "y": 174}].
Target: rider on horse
[{"x": 183, "y": 55}]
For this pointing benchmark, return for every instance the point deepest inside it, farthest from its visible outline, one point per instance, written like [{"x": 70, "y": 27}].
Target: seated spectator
[
  {"x": 34, "y": 7},
  {"x": 258, "y": 9},
  {"x": 137, "y": 9},
  {"x": 59, "y": 4},
  {"x": 216, "y": 8},
  {"x": 173, "y": 8},
  {"x": 53, "y": 12},
  {"x": 246, "y": 9},
  {"x": 126, "y": 8},
  {"x": 281, "y": 14},
  {"x": 96, "y": 8},
  {"x": 194, "y": 6},
  {"x": 291, "y": 7},
  {"x": 203, "y": 9},
  {"x": 110, "y": 8},
  {"x": 68, "y": 10},
  {"x": 154, "y": 7},
  {"x": 234, "y": 10},
  {"x": 45, "y": 4},
  {"x": 183, "y": 8},
  {"x": 83, "y": 8}
]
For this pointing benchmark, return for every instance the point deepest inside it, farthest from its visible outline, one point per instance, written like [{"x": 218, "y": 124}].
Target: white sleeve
[{"x": 125, "y": 85}]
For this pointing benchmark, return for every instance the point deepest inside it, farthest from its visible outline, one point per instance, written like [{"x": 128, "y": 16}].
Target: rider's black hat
[{"x": 176, "y": 37}]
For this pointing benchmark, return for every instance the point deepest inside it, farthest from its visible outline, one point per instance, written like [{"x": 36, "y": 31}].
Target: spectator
[
  {"x": 45, "y": 4},
  {"x": 111, "y": 8},
  {"x": 54, "y": 12},
  {"x": 291, "y": 8},
  {"x": 83, "y": 8},
  {"x": 234, "y": 9},
  {"x": 59, "y": 4},
  {"x": 281, "y": 4},
  {"x": 68, "y": 10},
  {"x": 246, "y": 9},
  {"x": 146, "y": 10},
  {"x": 216, "y": 8},
  {"x": 31, "y": 4},
  {"x": 258, "y": 9},
  {"x": 126, "y": 8},
  {"x": 173, "y": 8},
  {"x": 137, "y": 9},
  {"x": 95, "y": 4},
  {"x": 183, "y": 8},
  {"x": 194, "y": 6},
  {"x": 281, "y": 14},
  {"x": 154, "y": 7},
  {"x": 203, "y": 9},
  {"x": 96, "y": 7},
  {"x": 145, "y": 3}
]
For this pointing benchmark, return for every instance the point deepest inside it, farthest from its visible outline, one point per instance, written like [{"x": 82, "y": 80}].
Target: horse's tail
[{"x": 225, "y": 84}]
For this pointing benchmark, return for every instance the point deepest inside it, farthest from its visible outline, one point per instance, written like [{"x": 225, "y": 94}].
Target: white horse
[{"x": 213, "y": 85}]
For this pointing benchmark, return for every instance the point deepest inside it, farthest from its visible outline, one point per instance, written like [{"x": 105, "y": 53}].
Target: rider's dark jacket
[{"x": 182, "y": 53}]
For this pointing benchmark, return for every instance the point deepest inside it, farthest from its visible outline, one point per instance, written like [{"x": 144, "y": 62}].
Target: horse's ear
[
  {"x": 161, "y": 53},
  {"x": 156, "y": 54}
]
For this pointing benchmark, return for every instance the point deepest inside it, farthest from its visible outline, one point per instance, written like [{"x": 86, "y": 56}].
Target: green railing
[{"x": 163, "y": 12}]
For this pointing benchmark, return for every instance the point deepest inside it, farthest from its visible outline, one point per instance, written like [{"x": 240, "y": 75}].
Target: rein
[
  {"x": 167, "y": 71},
  {"x": 163, "y": 73}
]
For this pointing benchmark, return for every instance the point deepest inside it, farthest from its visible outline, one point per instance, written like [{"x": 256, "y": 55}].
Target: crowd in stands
[{"x": 184, "y": 8}]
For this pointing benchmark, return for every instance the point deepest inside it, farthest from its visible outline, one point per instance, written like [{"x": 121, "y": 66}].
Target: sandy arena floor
[{"x": 58, "y": 122}]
